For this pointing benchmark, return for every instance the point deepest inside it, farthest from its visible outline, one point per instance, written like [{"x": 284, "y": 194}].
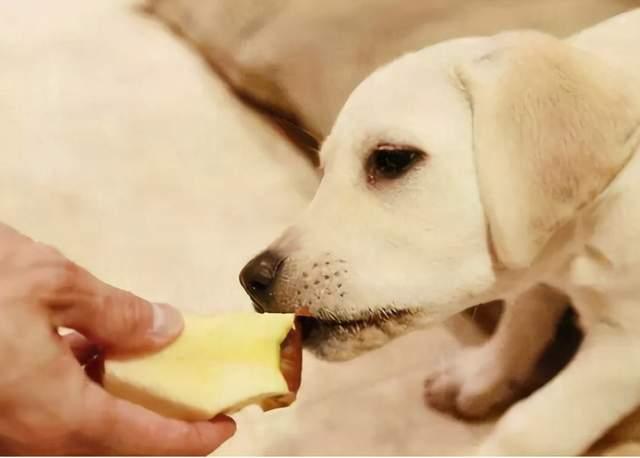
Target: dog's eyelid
[
  {"x": 399, "y": 148},
  {"x": 396, "y": 147}
]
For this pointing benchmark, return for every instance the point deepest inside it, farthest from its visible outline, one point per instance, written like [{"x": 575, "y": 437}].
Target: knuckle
[
  {"x": 52, "y": 279},
  {"x": 61, "y": 276},
  {"x": 68, "y": 272},
  {"x": 40, "y": 272}
]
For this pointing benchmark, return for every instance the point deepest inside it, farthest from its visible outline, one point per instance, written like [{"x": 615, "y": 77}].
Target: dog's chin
[{"x": 338, "y": 339}]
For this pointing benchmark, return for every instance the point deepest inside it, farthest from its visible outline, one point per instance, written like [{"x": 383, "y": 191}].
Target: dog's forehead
[{"x": 397, "y": 100}]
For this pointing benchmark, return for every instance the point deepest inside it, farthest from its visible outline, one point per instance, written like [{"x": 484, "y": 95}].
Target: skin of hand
[{"x": 48, "y": 404}]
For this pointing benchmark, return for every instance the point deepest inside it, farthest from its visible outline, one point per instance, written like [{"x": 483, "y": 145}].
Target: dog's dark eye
[{"x": 389, "y": 162}]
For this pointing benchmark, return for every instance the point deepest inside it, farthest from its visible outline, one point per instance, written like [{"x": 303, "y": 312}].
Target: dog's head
[{"x": 446, "y": 171}]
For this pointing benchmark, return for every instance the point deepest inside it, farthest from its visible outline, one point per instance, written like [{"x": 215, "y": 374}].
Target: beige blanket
[{"x": 304, "y": 57}]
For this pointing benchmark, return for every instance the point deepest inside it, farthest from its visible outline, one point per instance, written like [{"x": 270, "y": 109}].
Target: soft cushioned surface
[{"x": 304, "y": 59}]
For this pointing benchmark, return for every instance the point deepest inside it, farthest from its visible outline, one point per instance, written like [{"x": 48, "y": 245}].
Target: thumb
[{"x": 114, "y": 319}]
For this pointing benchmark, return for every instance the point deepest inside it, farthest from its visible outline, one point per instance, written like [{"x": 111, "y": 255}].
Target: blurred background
[{"x": 161, "y": 144}]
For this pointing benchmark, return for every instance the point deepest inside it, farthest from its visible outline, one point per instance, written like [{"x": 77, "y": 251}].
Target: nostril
[
  {"x": 259, "y": 285},
  {"x": 258, "y": 278}
]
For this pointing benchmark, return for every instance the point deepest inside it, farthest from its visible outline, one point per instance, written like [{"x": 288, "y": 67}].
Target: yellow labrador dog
[{"x": 504, "y": 167}]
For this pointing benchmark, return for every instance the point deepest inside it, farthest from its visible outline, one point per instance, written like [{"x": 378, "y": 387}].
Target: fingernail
[{"x": 167, "y": 320}]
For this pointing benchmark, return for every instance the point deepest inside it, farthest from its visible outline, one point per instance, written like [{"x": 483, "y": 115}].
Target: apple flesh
[{"x": 219, "y": 364}]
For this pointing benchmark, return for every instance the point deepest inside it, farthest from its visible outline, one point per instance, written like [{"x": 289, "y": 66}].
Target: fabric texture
[{"x": 301, "y": 60}]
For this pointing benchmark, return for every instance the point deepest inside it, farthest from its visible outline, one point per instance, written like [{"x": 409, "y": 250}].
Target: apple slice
[{"x": 219, "y": 364}]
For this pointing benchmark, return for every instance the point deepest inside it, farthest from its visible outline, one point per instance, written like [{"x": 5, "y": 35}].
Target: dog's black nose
[{"x": 258, "y": 277}]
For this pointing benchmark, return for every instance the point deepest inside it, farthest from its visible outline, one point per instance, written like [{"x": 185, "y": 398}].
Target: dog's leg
[
  {"x": 594, "y": 392},
  {"x": 482, "y": 379}
]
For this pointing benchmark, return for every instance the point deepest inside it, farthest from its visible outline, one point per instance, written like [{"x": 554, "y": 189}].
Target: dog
[{"x": 481, "y": 169}]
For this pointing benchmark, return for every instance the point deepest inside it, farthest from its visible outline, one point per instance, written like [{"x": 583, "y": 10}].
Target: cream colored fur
[
  {"x": 474, "y": 383},
  {"x": 530, "y": 188}
]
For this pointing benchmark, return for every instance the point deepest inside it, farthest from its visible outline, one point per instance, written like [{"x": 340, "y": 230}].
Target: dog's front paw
[{"x": 474, "y": 384}]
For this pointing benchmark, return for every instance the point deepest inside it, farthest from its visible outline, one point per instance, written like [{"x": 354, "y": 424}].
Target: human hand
[{"x": 48, "y": 405}]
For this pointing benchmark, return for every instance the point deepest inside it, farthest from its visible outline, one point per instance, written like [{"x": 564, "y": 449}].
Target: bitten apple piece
[{"x": 219, "y": 364}]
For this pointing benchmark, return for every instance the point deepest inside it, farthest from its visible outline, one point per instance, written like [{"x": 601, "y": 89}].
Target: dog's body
[
  {"x": 494, "y": 374},
  {"x": 475, "y": 170}
]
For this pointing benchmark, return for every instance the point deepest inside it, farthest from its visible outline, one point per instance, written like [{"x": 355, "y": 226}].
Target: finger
[
  {"x": 125, "y": 428},
  {"x": 116, "y": 320},
  {"x": 83, "y": 349}
]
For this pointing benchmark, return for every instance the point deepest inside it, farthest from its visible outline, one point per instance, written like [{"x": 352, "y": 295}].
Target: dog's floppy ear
[{"x": 553, "y": 126}]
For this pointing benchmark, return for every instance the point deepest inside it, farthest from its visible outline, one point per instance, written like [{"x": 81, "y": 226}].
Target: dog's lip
[
  {"x": 319, "y": 327},
  {"x": 371, "y": 317}
]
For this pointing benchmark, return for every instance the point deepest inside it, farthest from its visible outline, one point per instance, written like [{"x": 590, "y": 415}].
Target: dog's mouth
[
  {"x": 336, "y": 338},
  {"x": 339, "y": 338},
  {"x": 310, "y": 323}
]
